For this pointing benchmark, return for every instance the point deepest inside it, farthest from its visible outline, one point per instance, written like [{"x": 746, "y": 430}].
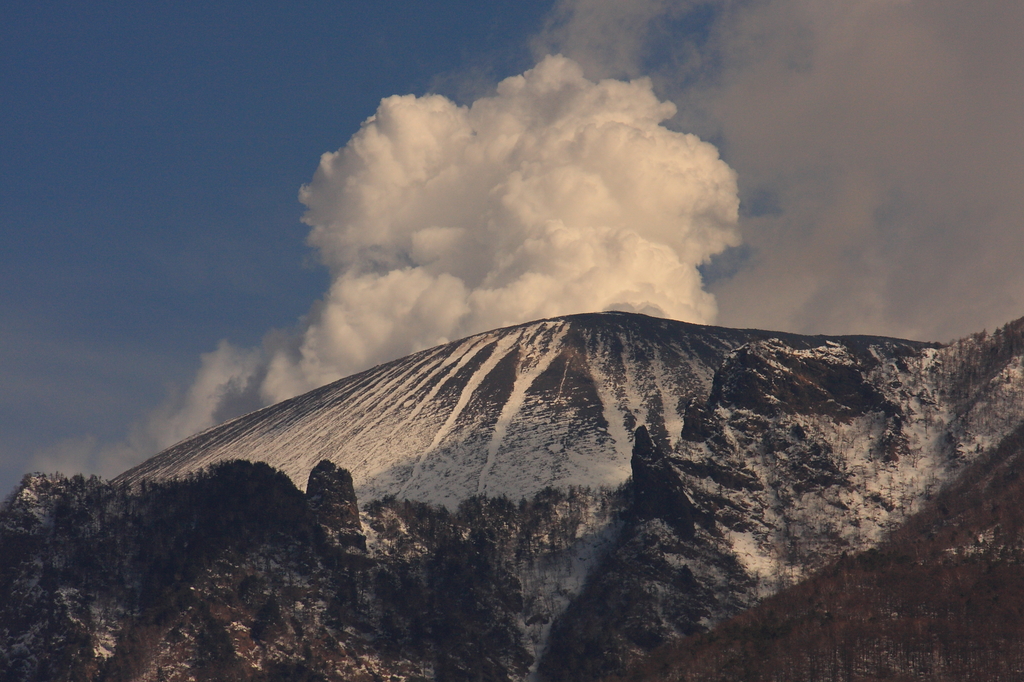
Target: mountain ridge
[{"x": 474, "y": 409}]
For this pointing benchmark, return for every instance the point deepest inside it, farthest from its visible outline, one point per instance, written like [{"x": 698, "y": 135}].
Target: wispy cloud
[{"x": 883, "y": 135}]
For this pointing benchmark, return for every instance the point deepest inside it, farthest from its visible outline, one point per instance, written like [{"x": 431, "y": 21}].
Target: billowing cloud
[
  {"x": 879, "y": 152},
  {"x": 556, "y": 195}
]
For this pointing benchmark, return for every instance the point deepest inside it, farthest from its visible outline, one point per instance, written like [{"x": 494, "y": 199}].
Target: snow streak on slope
[
  {"x": 525, "y": 378},
  {"x": 507, "y": 412}
]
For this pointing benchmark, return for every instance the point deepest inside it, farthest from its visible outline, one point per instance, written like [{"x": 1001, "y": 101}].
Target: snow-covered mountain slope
[
  {"x": 804, "y": 449},
  {"x": 796, "y": 447},
  {"x": 555, "y": 402},
  {"x": 507, "y": 412}
]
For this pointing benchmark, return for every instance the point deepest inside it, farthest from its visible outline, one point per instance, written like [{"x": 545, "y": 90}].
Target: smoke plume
[
  {"x": 556, "y": 195},
  {"x": 877, "y": 143}
]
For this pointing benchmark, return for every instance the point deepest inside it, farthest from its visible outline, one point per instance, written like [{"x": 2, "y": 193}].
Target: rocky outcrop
[
  {"x": 667, "y": 577},
  {"x": 658, "y": 490},
  {"x": 332, "y": 497}
]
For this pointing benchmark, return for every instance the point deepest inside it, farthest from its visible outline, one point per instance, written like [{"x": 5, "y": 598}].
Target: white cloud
[
  {"x": 878, "y": 143},
  {"x": 556, "y": 195}
]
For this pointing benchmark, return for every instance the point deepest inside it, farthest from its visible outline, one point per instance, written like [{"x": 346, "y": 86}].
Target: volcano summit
[{"x": 507, "y": 412}]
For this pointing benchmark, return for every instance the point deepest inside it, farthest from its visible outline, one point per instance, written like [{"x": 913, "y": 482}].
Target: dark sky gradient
[{"x": 152, "y": 156}]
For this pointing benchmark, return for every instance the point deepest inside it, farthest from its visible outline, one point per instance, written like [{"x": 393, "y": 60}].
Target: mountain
[
  {"x": 508, "y": 412},
  {"x": 562, "y": 500}
]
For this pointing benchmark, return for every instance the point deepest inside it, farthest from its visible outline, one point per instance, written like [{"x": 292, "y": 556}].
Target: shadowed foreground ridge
[{"x": 236, "y": 574}]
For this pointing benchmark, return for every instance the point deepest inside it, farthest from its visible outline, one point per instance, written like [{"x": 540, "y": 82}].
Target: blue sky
[{"x": 152, "y": 157}]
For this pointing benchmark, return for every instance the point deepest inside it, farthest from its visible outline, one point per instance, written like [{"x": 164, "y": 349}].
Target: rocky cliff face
[
  {"x": 557, "y": 501},
  {"x": 940, "y": 599},
  {"x": 332, "y": 498}
]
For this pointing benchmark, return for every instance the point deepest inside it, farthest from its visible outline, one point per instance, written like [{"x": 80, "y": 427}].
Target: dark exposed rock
[
  {"x": 727, "y": 477},
  {"x": 332, "y": 497},
  {"x": 658, "y": 491},
  {"x": 645, "y": 592},
  {"x": 699, "y": 424},
  {"x": 893, "y": 443},
  {"x": 767, "y": 378}
]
